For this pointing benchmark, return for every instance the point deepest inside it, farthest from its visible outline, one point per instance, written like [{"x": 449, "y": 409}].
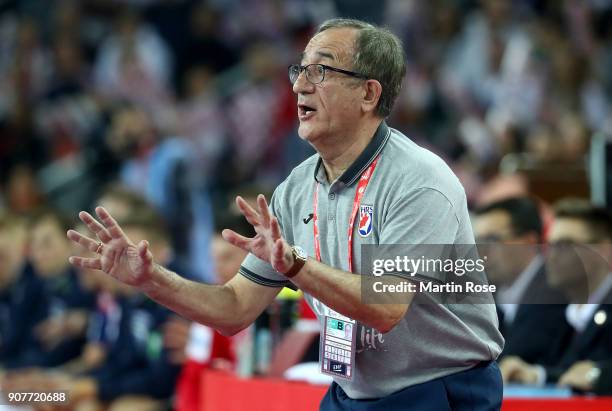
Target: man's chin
[{"x": 306, "y": 133}]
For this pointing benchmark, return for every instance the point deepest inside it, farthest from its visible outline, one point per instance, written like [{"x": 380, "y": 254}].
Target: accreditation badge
[{"x": 337, "y": 352}]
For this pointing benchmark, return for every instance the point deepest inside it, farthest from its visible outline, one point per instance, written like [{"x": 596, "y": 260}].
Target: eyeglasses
[{"x": 315, "y": 73}]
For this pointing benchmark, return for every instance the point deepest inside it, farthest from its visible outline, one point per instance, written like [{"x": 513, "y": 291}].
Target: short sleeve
[{"x": 258, "y": 270}]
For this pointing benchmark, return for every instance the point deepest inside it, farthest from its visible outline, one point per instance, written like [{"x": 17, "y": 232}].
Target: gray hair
[{"x": 379, "y": 55}]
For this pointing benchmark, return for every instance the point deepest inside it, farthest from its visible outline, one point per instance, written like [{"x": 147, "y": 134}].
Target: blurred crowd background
[{"x": 164, "y": 110}]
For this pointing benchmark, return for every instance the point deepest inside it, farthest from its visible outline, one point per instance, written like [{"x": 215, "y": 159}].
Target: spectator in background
[
  {"x": 134, "y": 63},
  {"x": 123, "y": 366},
  {"x": 263, "y": 110},
  {"x": 531, "y": 314},
  {"x": 510, "y": 70},
  {"x": 75, "y": 19},
  {"x": 69, "y": 113},
  {"x": 69, "y": 74},
  {"x": 205, "y": 45},
  {"x": 122, "y": 200},
  {"x": 471, "y": 64},
  {"x": 29, "y": 72},
  {"x": 25, "y": 68},
  {"x": 20, "y": 292},
  {"x": 23, "y": 193},
  {"x": 138, "y": 375},
  {"x": 566, "y": 142},
  {"x": 198, "y": 347},
  {"x": 165, "y": 171},
  {"x": 200, "y": 119},
  {"x": 578, "y": 263},
  {"x": 60, "y": 335}
]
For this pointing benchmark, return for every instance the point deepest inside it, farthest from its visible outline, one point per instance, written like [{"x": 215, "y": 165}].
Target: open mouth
[{"x": 305, "y": 111}]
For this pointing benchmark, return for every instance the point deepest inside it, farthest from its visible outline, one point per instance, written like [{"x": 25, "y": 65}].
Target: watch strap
[{"x": 298, "y": 263}]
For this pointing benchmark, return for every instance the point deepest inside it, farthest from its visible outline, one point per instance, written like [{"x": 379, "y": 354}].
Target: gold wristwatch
[{"x": 299, "y": 259}]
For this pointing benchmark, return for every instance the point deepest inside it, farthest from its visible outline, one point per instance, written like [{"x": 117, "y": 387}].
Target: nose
[{"x": 302, "y": 85}]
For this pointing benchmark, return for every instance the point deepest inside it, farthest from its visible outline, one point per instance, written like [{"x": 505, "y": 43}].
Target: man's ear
[{"x": 371, "y": 95}]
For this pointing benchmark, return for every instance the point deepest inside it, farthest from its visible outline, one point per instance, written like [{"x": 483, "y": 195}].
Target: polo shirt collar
[{"x": 372, "y": 150}]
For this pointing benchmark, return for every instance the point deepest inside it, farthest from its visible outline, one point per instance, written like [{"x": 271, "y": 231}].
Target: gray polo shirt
[{"x": 415, "y": 199}]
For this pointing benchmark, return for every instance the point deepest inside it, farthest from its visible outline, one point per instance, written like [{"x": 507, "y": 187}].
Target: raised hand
[
  {"x": 269, "y": 244},
  {"x": 116, "y": 255}
]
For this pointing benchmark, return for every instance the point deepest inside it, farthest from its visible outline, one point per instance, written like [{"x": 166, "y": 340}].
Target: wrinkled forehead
[{"x": 331, "y": 46}]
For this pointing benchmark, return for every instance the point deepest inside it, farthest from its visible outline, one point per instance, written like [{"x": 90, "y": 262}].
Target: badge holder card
[{"x": 337, "y": 356}]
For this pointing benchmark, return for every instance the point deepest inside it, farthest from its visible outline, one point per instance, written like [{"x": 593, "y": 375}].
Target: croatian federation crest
[{"x": 366, "y": 216}]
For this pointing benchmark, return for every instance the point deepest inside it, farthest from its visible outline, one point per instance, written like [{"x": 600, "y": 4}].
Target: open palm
[
  {"x": 116, "y": 255},
  {"x": 269, "y": 244}
]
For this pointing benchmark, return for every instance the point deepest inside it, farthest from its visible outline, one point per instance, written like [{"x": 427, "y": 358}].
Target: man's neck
[{"x": 340, "y": 154}]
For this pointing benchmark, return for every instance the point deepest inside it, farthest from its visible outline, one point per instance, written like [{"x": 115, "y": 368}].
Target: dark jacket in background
[
  {"x": 137, "y": 362},
  {"x": 59, "y": 295},
  {"x": 594, "y": 343},
  {"x": 603, "y": 386},
  {"x": 21, "y": 307},
  {"x": 539, "y": 332}
]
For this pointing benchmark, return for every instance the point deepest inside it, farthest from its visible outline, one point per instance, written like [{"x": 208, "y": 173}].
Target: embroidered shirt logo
[{"x": 366, "y": 215}]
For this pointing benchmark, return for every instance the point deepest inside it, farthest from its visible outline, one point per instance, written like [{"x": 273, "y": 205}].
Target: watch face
[{"x": 300, "y": 252}]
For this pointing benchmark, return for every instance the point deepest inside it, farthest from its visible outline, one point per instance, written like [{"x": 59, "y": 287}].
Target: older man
[{"x": 368, "y": 185}]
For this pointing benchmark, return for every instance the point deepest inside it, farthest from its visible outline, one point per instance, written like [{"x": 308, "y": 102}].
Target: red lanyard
[{"x": 361, "y": 187}]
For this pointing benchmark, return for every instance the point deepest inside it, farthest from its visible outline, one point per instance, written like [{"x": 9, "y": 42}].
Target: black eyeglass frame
[{"x": 325, "y": 68}]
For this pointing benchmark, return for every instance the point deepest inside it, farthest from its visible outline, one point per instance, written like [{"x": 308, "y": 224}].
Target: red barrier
[
  {"x": 225, "y": 392},
  {"x": 569, "y": 404}
]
